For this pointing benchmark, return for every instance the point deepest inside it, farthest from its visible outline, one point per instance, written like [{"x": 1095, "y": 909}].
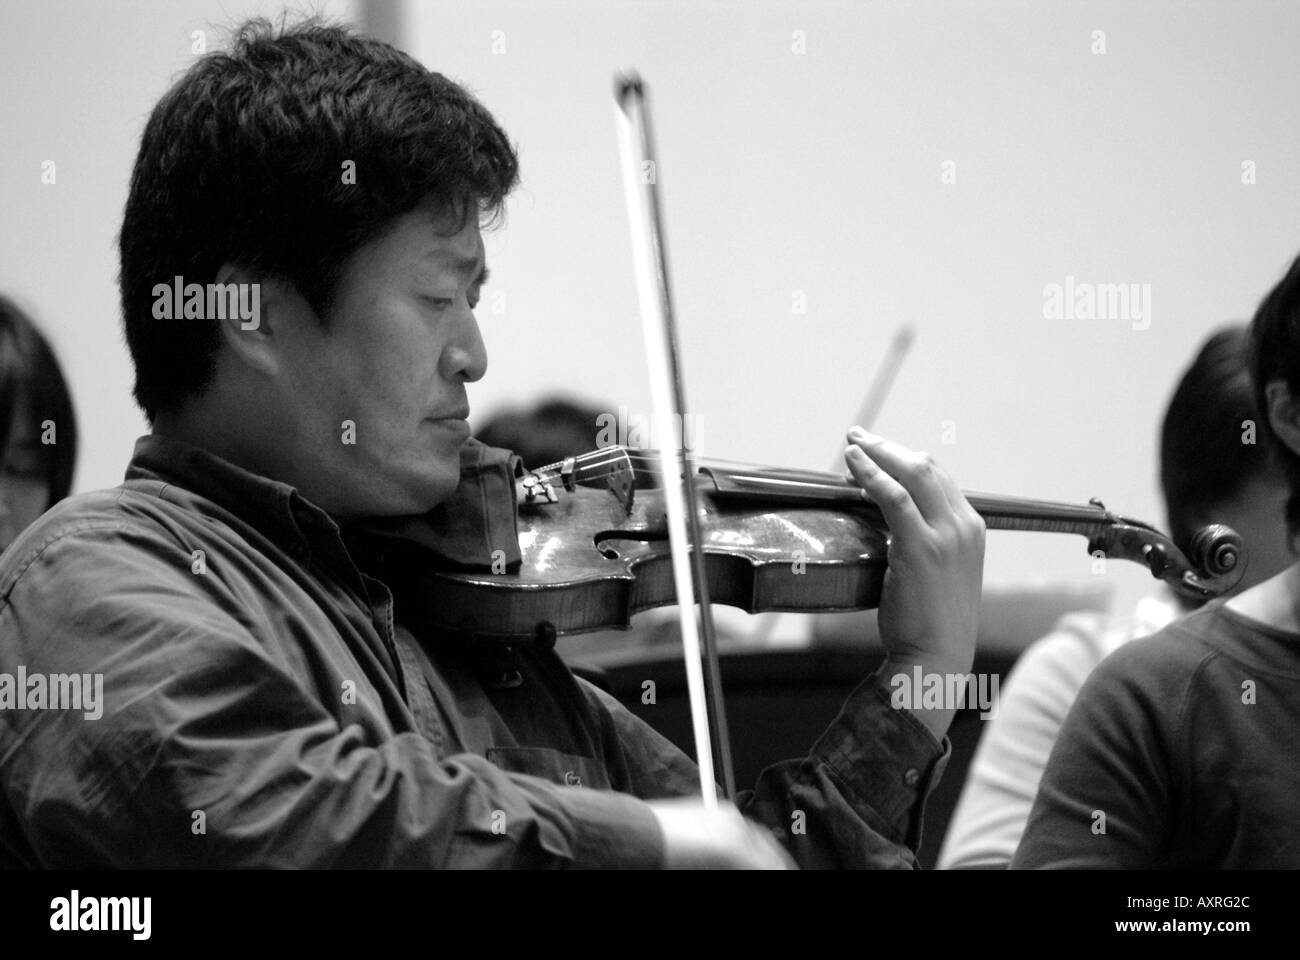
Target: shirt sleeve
[
  {"x": 211, "y": 751},
  {"x": 855, "y": 801},
  {"x": 1104, "y": 795},
  {"x": 1013, "y": 750}
]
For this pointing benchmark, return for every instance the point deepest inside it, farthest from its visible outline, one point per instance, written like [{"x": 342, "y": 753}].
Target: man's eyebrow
[{"x": 467, "y": 265}]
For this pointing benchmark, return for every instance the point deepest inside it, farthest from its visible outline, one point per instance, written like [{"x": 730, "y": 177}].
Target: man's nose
[{"x": 465, "y": 355}]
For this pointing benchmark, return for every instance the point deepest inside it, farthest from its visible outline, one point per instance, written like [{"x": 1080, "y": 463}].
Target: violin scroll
[
  {"x": 1217, "y": 549},
  {"x": 1216, "y": 565}
]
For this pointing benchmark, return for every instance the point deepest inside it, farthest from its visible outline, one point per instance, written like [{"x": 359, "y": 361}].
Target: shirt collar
[
  {"x": 276, "y": 509},
  {"x": 474, "y": 527}
]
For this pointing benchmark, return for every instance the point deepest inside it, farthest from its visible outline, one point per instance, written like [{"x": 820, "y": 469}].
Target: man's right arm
[{"x": 210, "y": 751}]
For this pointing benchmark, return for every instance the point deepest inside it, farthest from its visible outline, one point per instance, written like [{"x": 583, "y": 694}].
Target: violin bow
[
  {"x": 641, "y": 187},
  {"x": 874, "y": 400},
  {"x": 872, "y": 403}
]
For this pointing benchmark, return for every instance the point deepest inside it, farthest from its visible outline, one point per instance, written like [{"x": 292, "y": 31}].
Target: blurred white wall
[{"x": 802, "y": 157}]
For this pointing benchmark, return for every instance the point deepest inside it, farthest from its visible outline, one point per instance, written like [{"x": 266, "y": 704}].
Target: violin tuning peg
[
  {"x": 1157, "y": 558},
  {"x": 545, "y": 635}
]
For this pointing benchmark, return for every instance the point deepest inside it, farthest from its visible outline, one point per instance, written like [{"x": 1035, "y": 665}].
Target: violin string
[
  {"x": 999, "y": 512},
  {"x": 1005, "y": 512},
  {"x": 597, "y": 465}
]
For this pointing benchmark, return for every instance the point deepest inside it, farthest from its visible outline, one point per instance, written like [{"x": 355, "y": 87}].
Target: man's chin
[
  {"x": 437, "y": 492},
  {"x": 437, "y": 481},
  {"x": 412, "y": 495}
]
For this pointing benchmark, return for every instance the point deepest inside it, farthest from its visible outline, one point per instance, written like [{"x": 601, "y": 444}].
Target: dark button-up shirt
[
  {"x": 266, "y": 703},
  {"x": 1180, "y": 753}
]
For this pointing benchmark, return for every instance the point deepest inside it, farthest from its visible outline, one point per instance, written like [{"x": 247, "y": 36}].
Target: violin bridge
[{"x": 622, "y": 481}]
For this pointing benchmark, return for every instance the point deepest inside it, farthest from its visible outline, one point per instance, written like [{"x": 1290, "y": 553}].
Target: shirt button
[{"x": 912, "y": 777}]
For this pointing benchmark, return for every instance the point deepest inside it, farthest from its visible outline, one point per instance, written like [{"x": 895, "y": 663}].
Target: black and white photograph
[{"x": 642, "y": 435}]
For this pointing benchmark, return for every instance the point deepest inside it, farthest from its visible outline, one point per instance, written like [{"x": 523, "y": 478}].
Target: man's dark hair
[
  {"x": 1275, "y": 355},
  {"x": 243, "y": 161},
  {"x": 1203, "y": 461},
  {"x": 30, "y": 376}
]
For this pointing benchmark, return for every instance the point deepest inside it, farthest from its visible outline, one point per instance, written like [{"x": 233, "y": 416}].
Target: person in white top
[{"x": 1207, "y": 475}]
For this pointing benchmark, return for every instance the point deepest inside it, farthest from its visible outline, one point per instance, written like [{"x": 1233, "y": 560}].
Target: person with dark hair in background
[
  {"x": 1208, "y": 475},
  {"x": 301, "y": 256},
  {"x": 1181, "y": 749},
  {"x": 38, "y": 430},
  {"x": 545, "y": 433}
]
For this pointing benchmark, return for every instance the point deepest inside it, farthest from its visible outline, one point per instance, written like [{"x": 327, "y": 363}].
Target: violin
[{"x": 594, "y": 550}]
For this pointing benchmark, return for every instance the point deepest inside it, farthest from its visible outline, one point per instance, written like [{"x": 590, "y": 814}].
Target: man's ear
[
  {"x": 253, "y": 314},
  {"x": 1283, "y": 414}
]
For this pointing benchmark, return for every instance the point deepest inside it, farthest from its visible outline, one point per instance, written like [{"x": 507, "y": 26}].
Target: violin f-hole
[{"x": 606, "y": 538}]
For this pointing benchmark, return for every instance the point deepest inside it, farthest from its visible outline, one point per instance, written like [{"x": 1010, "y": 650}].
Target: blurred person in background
[
  {"x": 545, "y": 433},
  {"x": 1180, "y": 751},
  {"x": 38, "y": 431},
  {"x": 1208, "y": 474}
]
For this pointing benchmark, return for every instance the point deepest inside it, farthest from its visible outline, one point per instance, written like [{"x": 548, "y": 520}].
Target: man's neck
[
  {"x": 226, "y": 437},
  {"x": 1274, "y": 603}
]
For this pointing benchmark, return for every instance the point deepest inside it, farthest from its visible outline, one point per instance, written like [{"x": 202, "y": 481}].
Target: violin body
[{"x": 589, "y": 563}]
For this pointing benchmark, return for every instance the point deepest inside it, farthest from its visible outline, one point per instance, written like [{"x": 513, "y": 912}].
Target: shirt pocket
[{"x": 552, "y": 765}]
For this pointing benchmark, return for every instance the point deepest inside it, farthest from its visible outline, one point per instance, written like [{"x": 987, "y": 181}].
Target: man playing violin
[{"x": 266, "y": 699}]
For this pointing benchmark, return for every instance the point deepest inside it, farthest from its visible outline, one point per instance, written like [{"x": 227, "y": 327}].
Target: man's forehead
[
  {"x": 422, "y": 240},
  {"x": 461, "y": 247}
]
